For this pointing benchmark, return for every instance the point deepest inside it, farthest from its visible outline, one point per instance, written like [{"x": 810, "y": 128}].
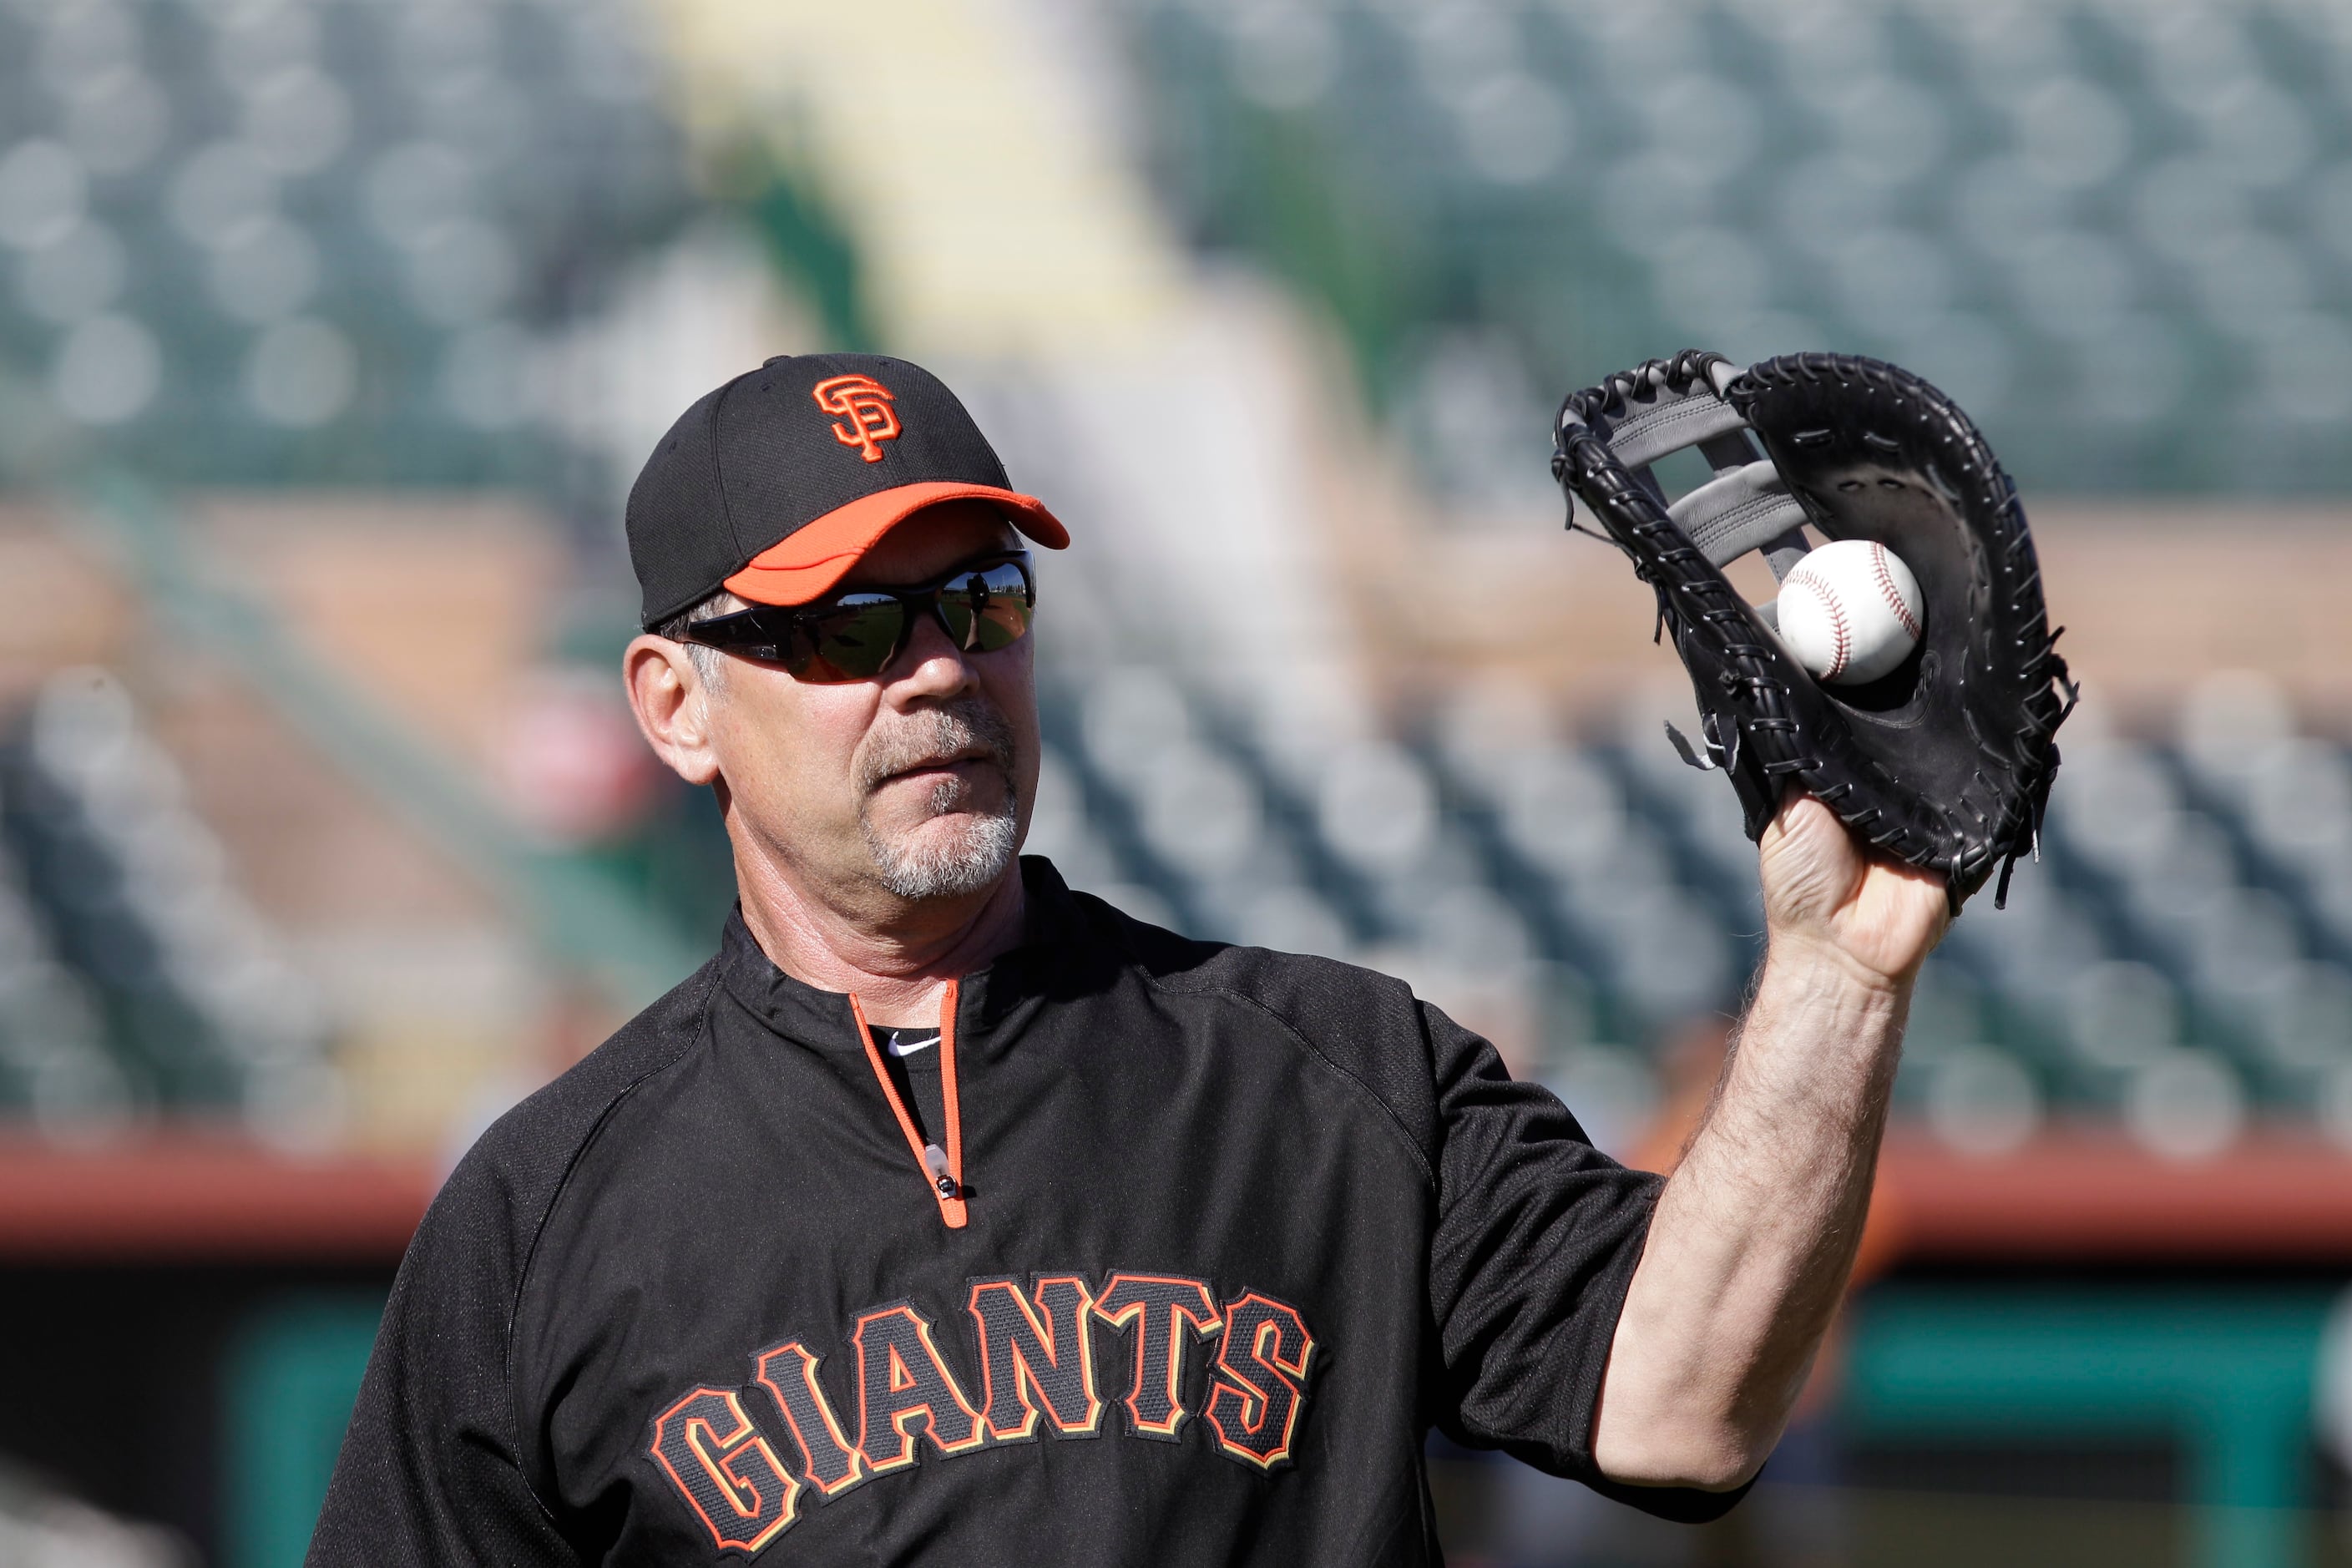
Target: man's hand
[{"x": 1825, "y": 893}]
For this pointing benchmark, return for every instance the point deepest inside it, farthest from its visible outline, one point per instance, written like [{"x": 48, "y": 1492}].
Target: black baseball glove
[{"x": 1946, "y": 761}]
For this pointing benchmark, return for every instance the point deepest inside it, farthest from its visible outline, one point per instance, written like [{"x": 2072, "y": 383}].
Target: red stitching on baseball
[
  {"x": 1828, "y": 602},
  {"x": 1894, "y": 594}
]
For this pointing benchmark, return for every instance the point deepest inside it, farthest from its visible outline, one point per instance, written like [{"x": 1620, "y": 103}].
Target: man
[{"x": 947, "y": 1215}]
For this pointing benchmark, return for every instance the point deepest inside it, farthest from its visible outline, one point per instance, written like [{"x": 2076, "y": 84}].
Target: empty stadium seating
[
  {"x": 267, "y": 243},
  {"x": 2176, "y": 963},
  {"x": 2116, "y": 232},
  {"x": 134, "y": 976}
]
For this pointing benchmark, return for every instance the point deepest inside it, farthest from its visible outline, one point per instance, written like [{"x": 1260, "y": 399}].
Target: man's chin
[
  {"x": 950, "y": 855},
  {"x": 947, "y": 832}
]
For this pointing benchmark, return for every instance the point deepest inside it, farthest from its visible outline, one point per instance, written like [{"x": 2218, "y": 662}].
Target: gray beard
[{"x": 969, "y": 862}]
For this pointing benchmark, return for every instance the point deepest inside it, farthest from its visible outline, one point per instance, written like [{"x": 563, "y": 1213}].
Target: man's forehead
[{"x": 930, "y": 542}]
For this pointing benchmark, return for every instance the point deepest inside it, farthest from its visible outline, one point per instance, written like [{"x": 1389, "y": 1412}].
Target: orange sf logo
[{"x": 866, "y": 404}]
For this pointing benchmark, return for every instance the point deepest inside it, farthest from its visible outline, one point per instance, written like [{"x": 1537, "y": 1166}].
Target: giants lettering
[
  {"x": 1047, "y": 1353},
  {"x": 788, "y": 1372},
  {"x": 728, "y": 1472},
  {"x": 1261, "y": 1379},
  {"x": 1036, "y": 1370},
  {"x": 1156, "y": 1309},
  {"x": 903, "y": 1385}
]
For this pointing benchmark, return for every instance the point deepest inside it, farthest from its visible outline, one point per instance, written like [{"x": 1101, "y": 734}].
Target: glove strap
[{"x": 1744, "y": 508}]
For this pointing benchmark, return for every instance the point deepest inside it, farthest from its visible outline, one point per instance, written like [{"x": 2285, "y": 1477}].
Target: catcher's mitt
[{"x": 1946, "y": 761}]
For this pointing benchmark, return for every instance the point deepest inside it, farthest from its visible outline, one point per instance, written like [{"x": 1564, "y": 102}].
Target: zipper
[{"x": 940, "y": 1168}]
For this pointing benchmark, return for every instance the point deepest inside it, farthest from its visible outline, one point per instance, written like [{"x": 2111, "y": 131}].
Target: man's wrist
[{"x": 1817, "y": 966}]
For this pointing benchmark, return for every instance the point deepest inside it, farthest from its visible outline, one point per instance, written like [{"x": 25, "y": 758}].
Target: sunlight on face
[{"x": 915, "y": 784}]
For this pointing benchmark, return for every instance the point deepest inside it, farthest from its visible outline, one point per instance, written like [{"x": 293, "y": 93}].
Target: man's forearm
[{"x": 1755, "y": 1235}]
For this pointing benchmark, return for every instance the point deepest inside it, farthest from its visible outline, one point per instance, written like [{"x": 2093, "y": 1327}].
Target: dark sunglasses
[{"x": 984, "y": 605}]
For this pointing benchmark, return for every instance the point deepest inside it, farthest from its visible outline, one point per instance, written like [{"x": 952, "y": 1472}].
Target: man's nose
[{"x": 931, "y": 665}]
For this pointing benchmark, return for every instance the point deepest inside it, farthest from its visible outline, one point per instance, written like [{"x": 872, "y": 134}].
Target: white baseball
[{"x": 1850, "y": 612}]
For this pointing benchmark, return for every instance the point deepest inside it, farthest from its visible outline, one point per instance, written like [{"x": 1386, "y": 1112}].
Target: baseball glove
[{"x": 1944, "y": 763}]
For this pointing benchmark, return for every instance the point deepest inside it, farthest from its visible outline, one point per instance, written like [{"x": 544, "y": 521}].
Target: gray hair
[{"x": 708, "y": 661}]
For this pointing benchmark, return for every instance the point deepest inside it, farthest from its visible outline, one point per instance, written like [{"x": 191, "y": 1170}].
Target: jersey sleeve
[
  {"x": 1536, "y": 1237},
  {"x": 428, "y": 1472}
]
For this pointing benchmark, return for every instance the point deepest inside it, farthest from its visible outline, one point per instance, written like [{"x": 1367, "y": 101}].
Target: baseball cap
[{"x": 772, "y": 486}]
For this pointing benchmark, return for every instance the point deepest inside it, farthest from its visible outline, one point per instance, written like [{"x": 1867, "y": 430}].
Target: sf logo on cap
[{"x": 866, "y": 404}]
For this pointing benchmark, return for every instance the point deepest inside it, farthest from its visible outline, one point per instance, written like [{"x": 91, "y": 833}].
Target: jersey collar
[{"x": 1055, "y": 933}]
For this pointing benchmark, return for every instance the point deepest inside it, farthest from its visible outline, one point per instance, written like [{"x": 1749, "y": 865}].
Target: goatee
[{"x": 968, "y": 859}]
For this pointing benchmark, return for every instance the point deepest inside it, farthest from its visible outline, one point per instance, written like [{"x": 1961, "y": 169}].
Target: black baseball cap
[{"x": 772, "y": 486}]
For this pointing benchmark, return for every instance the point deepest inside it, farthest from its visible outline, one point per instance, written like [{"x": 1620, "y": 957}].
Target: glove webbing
[{"x": 1668, "y": 406}]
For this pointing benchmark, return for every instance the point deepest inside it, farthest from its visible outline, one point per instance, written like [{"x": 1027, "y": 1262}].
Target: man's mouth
[
  {"x": 957, "y": 763},
  {"x": 950, "y": 754}
]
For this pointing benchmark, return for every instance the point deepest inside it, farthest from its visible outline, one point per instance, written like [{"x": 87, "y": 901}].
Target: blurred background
[{"x": 332, "y": 333}]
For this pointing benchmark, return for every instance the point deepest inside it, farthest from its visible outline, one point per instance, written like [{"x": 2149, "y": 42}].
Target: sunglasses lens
[
  {"x": 987, "y": 610},
  {"x": 850, "y": 642},
  {"x": 855, "y": 636}
]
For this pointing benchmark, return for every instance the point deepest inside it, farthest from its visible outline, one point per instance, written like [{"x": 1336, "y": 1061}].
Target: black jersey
[{"x": 1211, "y": 1236}]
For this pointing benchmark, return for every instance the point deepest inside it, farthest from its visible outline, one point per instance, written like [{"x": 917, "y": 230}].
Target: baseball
[{"x": 1850, "y": 612}]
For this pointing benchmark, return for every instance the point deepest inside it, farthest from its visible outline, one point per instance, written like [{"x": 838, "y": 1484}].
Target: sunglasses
[{"x": 982, "y": 606}]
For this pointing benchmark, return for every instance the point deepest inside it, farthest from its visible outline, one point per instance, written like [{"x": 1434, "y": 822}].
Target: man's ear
[{"x": 673, "y": 706}]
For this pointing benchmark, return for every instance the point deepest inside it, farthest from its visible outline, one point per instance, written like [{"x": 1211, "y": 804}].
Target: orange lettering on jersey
[
  {"x": 788, "y": 1372},
  {"x": 1157, "y": 1310},
  {"x": 867, "y": 408},
  {"x": 726, "y": 1472},
  {"x": 1260, "y": 1380},
  {"x": 905, "y": 1391},
  {"x": 1036, "y": 1361},
  {"x": 1035, "y": 1374}
]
